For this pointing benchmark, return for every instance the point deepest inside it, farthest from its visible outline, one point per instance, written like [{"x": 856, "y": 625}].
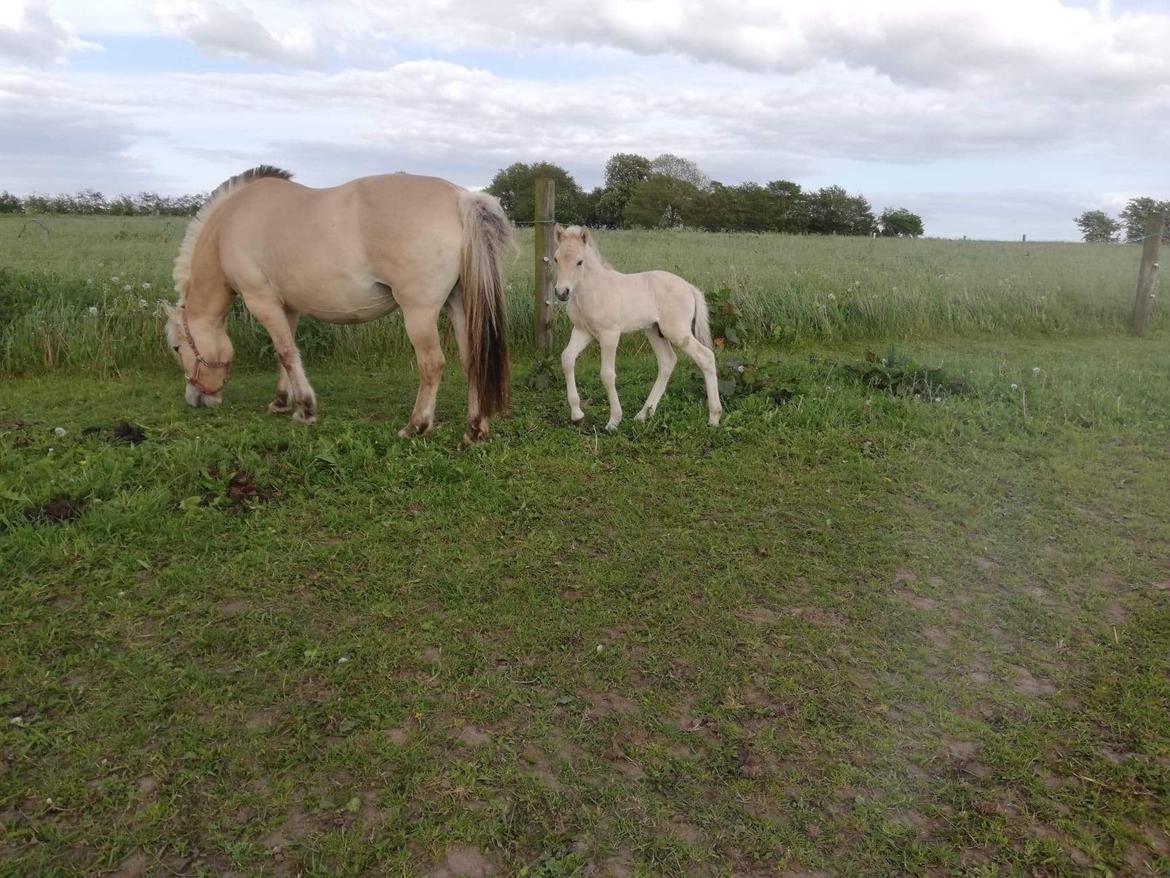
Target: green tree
[
  {"x": 1098, "y": 227},
  {"x": 623, "y": 173},
  {"x": 515, "y": 186},
  {"x": 898, "y": 222},
  {"x": 10, "y": 203},
  {"x": 668, "y": 165},
  {"x": 1137, "y": 212},
  {"x": 833, "y": 211},
  {"x": 787, "y": 207},
  {"x": 661, "y": 202}
]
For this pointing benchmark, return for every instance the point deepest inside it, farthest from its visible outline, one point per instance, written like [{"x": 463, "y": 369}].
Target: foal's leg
[
  {"x": 273, "y": 318},
  {"x": 477, "y": 425},
  {"x": 282, "y": 402},
  {"x": 422, "y": 326},
  {"x": 666, "y": 360},
  {"x": 578, "y": 341},
  {"x": 704, "y": 357},
  {"x": 609, "y": 344}
]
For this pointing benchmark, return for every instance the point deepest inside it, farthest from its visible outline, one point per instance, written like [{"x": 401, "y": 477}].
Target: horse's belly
[{"x": 351, "y": 304}]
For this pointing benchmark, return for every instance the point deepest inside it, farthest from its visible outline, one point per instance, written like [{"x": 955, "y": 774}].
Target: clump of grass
[{"x": 899, "y": 375}]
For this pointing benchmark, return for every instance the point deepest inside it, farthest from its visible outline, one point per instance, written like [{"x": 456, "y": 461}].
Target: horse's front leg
[
  {"x": 282, "y": 403},
  {"x": 578, "y": 341},
  {"x": 609, "y": 344},
  {"x": 273, "y": 317},
  {"x": 422, "y": 327}
]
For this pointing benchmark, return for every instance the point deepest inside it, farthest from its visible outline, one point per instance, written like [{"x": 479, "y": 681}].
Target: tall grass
[{"x": 787, "y": 289}]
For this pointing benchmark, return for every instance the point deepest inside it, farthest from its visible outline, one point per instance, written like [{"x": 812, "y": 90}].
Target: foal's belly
[{"x": 347, "y": 303}]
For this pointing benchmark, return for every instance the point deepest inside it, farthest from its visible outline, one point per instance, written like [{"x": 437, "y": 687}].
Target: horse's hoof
[
  {"x": 412, "y": 429},
  {"x": 612, "y": 426},
  {"x": 641, "y": 416},
  {"x": 713, "y": 421},
  {"x": 277, "y": 407},
  {"x": 577, "y": 422},
  {"x": 304, "y": 418}
]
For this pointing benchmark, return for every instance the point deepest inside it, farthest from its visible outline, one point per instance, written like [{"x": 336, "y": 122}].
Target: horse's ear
[
  {"x": 584, "y": 235},
  {"x": 560, "y": 231}
]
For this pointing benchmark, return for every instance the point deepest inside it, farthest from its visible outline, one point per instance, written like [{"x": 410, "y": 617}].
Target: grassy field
[
  {"x": 851, "y": 632},
  {"x": 789, "y": 289}
]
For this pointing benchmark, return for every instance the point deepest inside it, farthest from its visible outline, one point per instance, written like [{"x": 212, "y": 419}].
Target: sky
[{"x": 989, "y": 118}]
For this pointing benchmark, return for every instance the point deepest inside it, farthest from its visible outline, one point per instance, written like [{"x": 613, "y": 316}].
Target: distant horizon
[{"x": 987, "y": 118}]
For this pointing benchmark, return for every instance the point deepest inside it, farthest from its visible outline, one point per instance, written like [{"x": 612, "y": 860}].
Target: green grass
[
  {"x": 852, "y": 634},
  {"x": 789, "y": 289}
]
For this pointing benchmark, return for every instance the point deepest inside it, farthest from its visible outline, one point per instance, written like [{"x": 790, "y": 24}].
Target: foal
[{"x": 604, "y": 304}]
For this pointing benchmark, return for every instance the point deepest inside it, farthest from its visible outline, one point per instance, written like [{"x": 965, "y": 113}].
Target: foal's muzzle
[{"x": 562, "y": 295}]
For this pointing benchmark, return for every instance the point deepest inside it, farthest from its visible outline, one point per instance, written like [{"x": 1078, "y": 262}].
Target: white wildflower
[
  {"x": 832, "y": 298},
  {"x": 343, "y": 660},
  {"x": 145, "y": 285},
  {"x": 143, "y": 304},
  {"x": 58, "y": 432},
  {"x": 93, "y": 311},
  {"x": 17, "y": 720},
  {"x": 1015, "y": 387},
  {"x": 127, "y": 288},
  {"x": 885, "y": 362},
  {"x": 115, "y": 279},
  {"x": 600, "y": 647},
  {"x": 1035, "y": 370}
]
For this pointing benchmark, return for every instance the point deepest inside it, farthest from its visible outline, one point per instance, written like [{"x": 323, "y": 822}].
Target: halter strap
[{"x": 201, "y": 363}]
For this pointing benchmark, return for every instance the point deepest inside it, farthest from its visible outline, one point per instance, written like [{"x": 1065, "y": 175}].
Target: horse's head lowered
[
  {"x": 205, "y": 353},
  {"x": 573, "y": 254}
]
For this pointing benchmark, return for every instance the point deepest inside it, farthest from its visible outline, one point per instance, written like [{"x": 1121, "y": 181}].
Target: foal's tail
[
  {"x": 701, "y": 325},
  {"x": 487, "y": 234}
]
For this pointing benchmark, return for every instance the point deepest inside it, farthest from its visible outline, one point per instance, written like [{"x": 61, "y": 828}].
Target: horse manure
[
  {"x": 123, "y": 431},
  {"x": 56, "y": 511}
]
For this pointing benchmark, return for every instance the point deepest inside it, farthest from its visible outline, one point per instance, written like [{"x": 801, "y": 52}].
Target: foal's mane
[
  {"x": 576, "y": 231},
  {"x": 182, "y": 271}
]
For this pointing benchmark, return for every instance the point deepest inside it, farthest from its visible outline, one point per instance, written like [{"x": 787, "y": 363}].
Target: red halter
[{"x": 201, "y": 363}]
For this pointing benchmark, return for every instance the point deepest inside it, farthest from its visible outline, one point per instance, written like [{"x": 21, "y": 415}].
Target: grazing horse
[
  {"x": 347, "y": 254},
  {"x": 604, "y": 304}
]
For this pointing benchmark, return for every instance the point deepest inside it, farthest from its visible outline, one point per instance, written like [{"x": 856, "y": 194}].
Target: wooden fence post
[
  {"x": 1143, "y": 305},
  {"x": 546, "y": 243}
]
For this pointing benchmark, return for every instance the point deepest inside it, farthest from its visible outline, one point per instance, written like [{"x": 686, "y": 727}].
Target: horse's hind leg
[
  {"x": 666, "y": 360},
  {"x": 282, "y": 403},
  {"x": 273, "y": 317},
  {"x": 423, "y": 329},
  {"x": 704, "y": 358},
  {"x": 477, "y": 425}
]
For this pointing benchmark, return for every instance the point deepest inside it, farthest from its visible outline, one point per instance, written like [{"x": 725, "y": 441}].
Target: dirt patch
[
  {"x": 1024, "y": 683},
  {"x": 902, "y": 576},
  {"x": 297, "y": 825},
  {"x": 818, "y": 616},
  {"x": 620, "y": 865},
  {"x": 397, "y": 736},
  {"x": 263, "y": 719},
  {"x": 604, "y": 704},
  {"x": 231, "y": 609},
  {"x": 464, "y": 861},
  {"x": 986, "y": 565},
  {"x": 59, "y": 510},
  {"x": 938, "y": 638},
  {"x": 914, "y": 600},
  {"x": 685, "y": 831},
  {"x": 760, "y": 615},
  {"x": 964, "y": 750},
  {"x": 243, "y": 490},
  {"x": 472, "y": 736},
  {"x": 134, "y": 866},
  {"x": 123, "y": 431}
]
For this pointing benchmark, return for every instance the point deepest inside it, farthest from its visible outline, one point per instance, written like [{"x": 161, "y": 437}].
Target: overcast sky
[{"x": 990, "y": 118}]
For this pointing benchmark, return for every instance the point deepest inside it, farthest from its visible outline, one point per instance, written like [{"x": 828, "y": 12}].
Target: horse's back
[{"x": 393, "y": 229}]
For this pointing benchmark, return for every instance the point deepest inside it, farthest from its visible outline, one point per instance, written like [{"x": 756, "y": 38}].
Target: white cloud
[
  {"x": 220, "y": 28},
  {"x": 30, "y": 33}
]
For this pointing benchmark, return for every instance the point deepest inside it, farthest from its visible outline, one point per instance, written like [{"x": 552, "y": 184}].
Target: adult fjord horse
[{"x": 347, "y": 254}]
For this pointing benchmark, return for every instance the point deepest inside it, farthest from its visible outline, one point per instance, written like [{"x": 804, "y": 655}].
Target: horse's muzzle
[{"x": 562, "y": 295}]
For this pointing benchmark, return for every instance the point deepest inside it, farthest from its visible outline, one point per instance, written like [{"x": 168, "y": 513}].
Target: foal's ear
[
  {"x": 560, "y": 231},
  {"x": 584, "y": 235}
]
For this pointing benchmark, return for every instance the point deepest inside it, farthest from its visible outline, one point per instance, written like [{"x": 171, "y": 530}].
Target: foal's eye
[
  {"x": 175, "y": 348},
  {"x": 580, "y": 261}
]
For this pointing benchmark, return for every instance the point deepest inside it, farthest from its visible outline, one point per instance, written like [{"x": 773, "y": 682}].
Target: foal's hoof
[
  {"x": 279, "y": 406},
  {"x": 577, "y": 422},
  {"x": 713, "y": 420},
  {"x": 612, "y": 426},
  {"x": 304, "y": 417}
]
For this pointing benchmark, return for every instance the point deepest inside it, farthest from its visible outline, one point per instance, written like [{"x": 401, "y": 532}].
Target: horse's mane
[
  {"x": 575, "y": 231},
  {"x": 182, "y": 271}
]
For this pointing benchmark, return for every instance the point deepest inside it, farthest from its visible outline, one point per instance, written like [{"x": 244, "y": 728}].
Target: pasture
[{"x": 869, "y": 626}]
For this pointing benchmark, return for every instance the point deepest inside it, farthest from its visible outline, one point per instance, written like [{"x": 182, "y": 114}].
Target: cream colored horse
[
  {"x": 345, "y": 255},
  {"x": 604, "y": 304}
]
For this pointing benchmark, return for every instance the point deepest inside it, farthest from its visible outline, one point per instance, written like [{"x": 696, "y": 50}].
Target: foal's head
[
  {"x": 204, "y": 352},
  {"x": 573, "y": 256}
]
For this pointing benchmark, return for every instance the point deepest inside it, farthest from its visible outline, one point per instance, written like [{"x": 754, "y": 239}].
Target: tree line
[
  {"x": 672, "y": 192},
  {"x": 1099, "y": 227},
  {"x": 90, "y": 202},
  {"x": 638, "y": 192}
]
